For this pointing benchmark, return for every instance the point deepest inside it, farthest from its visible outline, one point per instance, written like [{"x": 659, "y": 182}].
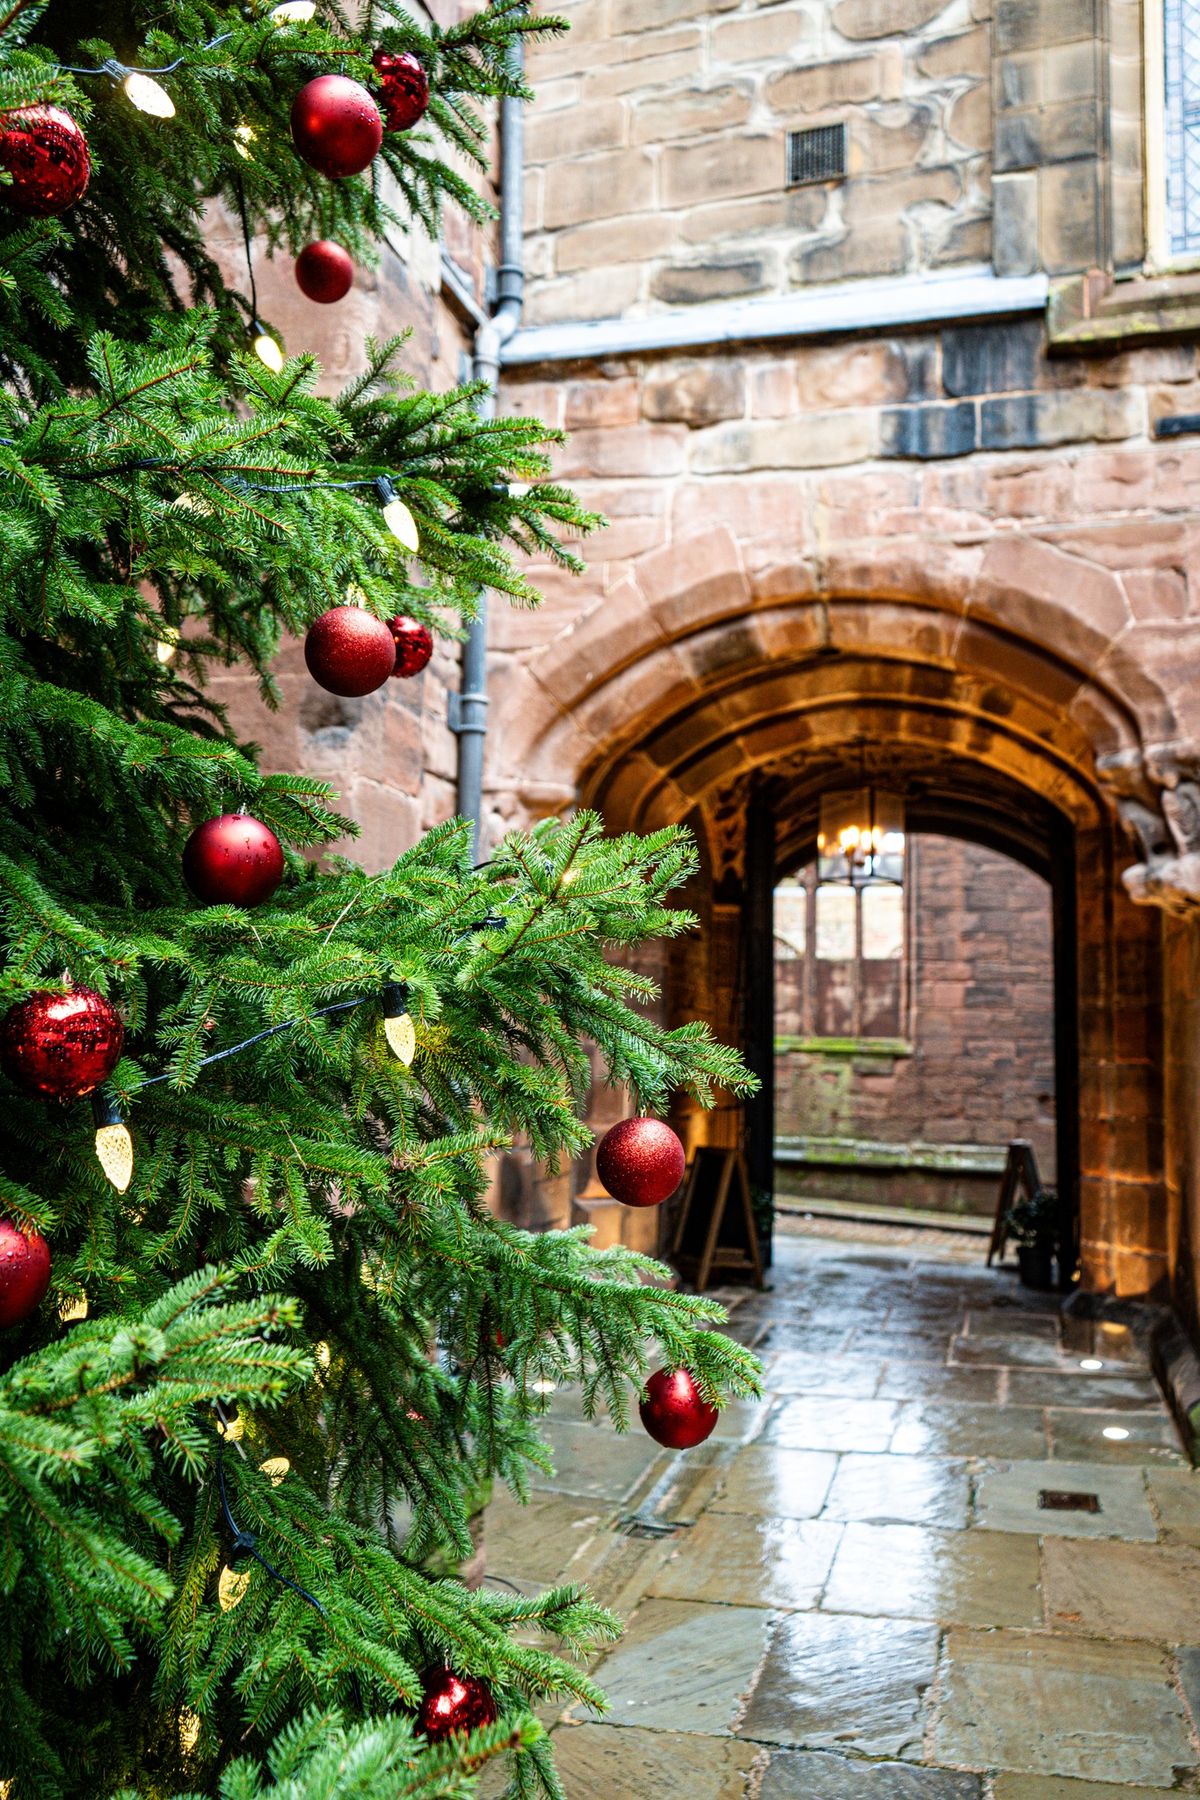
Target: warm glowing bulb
[
  {"x": 275, "y": 1468},
  {"x": 189, "y": 1729},
  {"x": 75, "y": 1309},
  {"x": 114, "y": 1148},
  {"x": 148, "y": 95},
  {"x": 543, "y": 1386},
  {"x": 243, "y": 137},
  {"x": 269, "y": 350},
  {"x": 294, "y": 12},
  {"x": 401, "y": 524},
  {"x": 356, "y": 595},
  {"x": 231, "y": 1586},
  {"x": 167, "y": 645},
  {"x": 232, "y": 1429},
  {"x": 401, "y": 1035},
  {"x": 322, "y": 1354}
]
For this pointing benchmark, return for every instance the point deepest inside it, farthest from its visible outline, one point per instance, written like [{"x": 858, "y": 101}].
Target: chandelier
[{"x": 860, "y": 837}]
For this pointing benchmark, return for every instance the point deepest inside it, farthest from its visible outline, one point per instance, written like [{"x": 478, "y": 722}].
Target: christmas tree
[{"x": 249, "y": 1394}]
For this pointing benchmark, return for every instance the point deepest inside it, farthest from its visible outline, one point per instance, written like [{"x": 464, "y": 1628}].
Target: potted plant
[{"x": 1034, "y": 1223}]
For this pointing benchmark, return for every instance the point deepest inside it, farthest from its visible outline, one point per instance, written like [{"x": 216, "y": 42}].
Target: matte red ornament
[
  {"x": 414, "y": 645},
  {"x": 336, "y": 126},
  {"x": 640, "y": 1162},
  {"x": 349, "y": 651},
  {"x": 324, "y": 271},
  {"x": 61, "y": 1045},
  {"x": 403, "y": 88},
  {"x": 452, "y": 1703},
  {"x": 673, "y": 1412},
  {"x": 233, "y": 860},
  {"x": 24, "y": 1273},
  {"x": 46, "y": 153}
]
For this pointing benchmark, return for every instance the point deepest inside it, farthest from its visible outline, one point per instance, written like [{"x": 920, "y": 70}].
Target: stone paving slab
[
  {"x": 948, "y": 1429},
  {"x": 1175, "y": 1496},
  {"x": 1123, "y": 1590},
  {"x": 954, "y": 1577},
  {"x": 823, "y": 1422},
  {"x": 733, "y": 1557},
  {"x": 685, "y": 1667},
  {"x": 902, "y": 1490},
  {"x": 784, "y": 1484},
  {"x": 606, "y": 1762},
  {"x": 1150, "y": 1437},
  {"x": 798, "y": 1372},
  {"x": 1053, "y": 1706},
  {"x": 593, "y": 1462},
  {"x": 1006, "y": 1499},
  {"x": 1043, "y": 1787},
  {"x": 835, "y": 1682},
  {"x": 934, "y": 1381},
  {"x": 535, "y": 1543},
  {"x": 816, "y": 1775},
  {"x": 1043, "y": 1387}
]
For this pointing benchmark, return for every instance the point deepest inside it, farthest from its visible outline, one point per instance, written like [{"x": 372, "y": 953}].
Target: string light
[
  {"x": 114, "y": 1146},
  {"x": 398, "y": 1027},
  {"x": 275, "y": 1468},
  {"x": 267, "y": 348},
  {"x": 148, "y": 95},
  {"x": 231, "y": 1587},
  {"x": 189, "y": 1729},
  {"x": 243, "y": 137},
  {"x": 167, "y": 643},
  {"x": 396, "y": 515},
  {"x": 75, "y": 1309},
  {"x": 294, "y": 12}
]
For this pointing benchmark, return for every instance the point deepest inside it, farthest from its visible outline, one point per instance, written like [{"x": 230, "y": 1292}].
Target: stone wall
[{"x": 978, "y": 1067}]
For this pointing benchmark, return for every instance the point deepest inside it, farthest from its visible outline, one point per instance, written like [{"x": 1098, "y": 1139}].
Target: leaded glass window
[{"x": 1181, "y": 97}]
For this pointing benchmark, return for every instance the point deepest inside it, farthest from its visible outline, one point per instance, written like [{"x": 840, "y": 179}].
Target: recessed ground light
[
  {"x": 1090, "y": 1363},
  {"x": 543, "y": 1387},
  {"x": 1115, "y": 1432}
]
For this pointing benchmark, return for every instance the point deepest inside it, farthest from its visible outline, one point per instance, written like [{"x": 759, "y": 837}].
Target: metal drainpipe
[{"x": 490, "y": 339}]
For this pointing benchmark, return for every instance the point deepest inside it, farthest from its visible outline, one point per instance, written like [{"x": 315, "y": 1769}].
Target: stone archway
[{"x": 1000, "y": 670}]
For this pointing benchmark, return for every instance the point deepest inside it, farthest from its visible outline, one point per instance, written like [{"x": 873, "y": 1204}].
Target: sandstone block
[
  {"x": 610, "y": 242},
  {"x": 1023, "y": 420},
  {"x": 641, "y": 450},
  {"x": 992, "y": 359},
  {"x": 963, "y": 53},
  {"x": 811, "y": 441},
  {"x": 1026, "y": 24},
  {"x": 891, "y": 195},
  {"x": 651, "y": 15},
  {"x": 1019, "y": 79},
  {"x": 970, "y": 121},
  {"x": 1035, "y": 590},
  {"x": 1051, "y": 134},
  {"x": 721, "y": 166},
  {"x": 891, "y": 138},
  {"x": 1069, "y": 213},
  {"x": 868, "y": 373},
  {"x": 1071, "y": 72},
  {"x": 600, "y": 294},
  {"x": 553, "y": 137},
  {"x": 875, "y": 247},
  {"x": 759, "y": 37},
  {"x": 925, "y": 432},
  {"x": 691, "y": 111},
  {"x": 588, "y": 404},
  {"x": 820, "y": 87},
  {"x": 635, "y": 74},
  {"x": 599, "y": 187},
  {"x": 1015, "y": 223},
  {"x": 696, "y": 393},
  {"x": 717, "y": 279},
  {"x": 964, "y": 241},
  {"x": 795, "y": 209},
  {"x": 861, "y": 19}
]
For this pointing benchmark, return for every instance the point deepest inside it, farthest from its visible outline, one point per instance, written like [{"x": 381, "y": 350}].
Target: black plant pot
[{"x": 1035, "y": 1266}]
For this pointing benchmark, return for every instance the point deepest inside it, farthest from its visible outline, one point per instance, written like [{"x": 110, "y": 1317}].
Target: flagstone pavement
[{"x": 864, "y": 1587}]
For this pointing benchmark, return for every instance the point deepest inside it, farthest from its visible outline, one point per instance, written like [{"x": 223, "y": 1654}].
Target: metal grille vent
[
  {"x": 818, "y": 154},
  {"x": 1056, "y": 1500}
]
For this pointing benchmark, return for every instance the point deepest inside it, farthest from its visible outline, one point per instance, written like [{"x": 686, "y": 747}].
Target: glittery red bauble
[
  {"x": 233, "y": 861},
  {"x": 673, "y": 1412},
  {"x": 24, "y": 1273},
  {"x": 452, "y": 1703},
  {"x": 403, "y": 89},
  {"x": 62, "y": 1045},
  {"x": 46, "y": 154},
  {"x": 324, "y": 271},
  {"x": 349, "y": 651},
  {"x": 640, "y": 1162},
  {"x": 336, "y": 126},
  {"x": 414, "y": 645}
]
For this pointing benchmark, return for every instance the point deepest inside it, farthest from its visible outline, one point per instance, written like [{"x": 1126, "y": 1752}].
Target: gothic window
[
  {"x": 840, "y": 958},
  {"x": 1181, "y": 124}
]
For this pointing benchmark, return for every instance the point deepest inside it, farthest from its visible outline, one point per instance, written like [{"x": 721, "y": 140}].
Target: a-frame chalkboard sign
[{"x": 716, "y": 1220}]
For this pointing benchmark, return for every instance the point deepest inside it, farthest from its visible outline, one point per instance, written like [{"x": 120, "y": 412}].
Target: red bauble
[
  {"x": 46, "y": 154},
  {"x": 61, "y": 1045},
  {"x": 233, "y": 860},
  {"x": 673, "y": 1412},
  {"x": 414, "y": 645},
  {"x": 24, "y": 1273},
  {"x": 452, "y": 1703},
  {"x": 324, "y": 271},
  {"x": 349, "y": 651},
  {"x": 640, "y": 1162},
  {"x": 336, "y": 126},
  {"x": 403, "y": 89}
]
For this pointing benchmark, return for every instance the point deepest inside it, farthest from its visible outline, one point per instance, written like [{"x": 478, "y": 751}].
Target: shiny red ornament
[
  {"x": 233, "y": 860},
  {"x": 61, "y": 1045},
  {"x": 403, "y": 89},
  {"x": 349, "y": 651},
  {"x": 324, "y": 271},
  {"x": 453, "y": 1703},
  {"x": 640, "y": 1162},
  {"x": 673, "y": 1412},
  {"x": 336, "y": 126},
  {"x": 46, "y": 153},
  {"x": 24, "y": 1273},
  {"x": 414, "y": 645}
]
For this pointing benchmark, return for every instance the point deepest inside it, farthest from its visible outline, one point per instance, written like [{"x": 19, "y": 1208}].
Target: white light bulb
[
  {"x": 401, "y": 1035},
  {"x": 148, "y": 95},
  {"x": 1116, "y": 1434},
  {"x": 167, "y": 645},
  {"x": 275, "y": 1468},
  {"x": 1090, "y": 1363},
  {"x": 114, "y": 1148},
  {"x": 269, "y": 351},
  {"x": 401, "y": 524},
  {"x": 243, "y": 137},
  {"x": 231, "y": 1587},
  {"x": 294, "y": 12}
]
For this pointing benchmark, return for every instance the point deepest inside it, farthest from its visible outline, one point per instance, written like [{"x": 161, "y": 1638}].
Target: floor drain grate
[
  {"x": 1058, "y": 1500},
  {"x": 634, "y": 1526}
]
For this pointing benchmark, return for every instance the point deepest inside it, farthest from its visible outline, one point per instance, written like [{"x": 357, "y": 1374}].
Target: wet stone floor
[{"x": 863, "y": 1588}]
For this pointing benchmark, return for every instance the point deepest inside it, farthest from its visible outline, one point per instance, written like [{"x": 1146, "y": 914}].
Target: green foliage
[{"x": 306, "y": 1240}]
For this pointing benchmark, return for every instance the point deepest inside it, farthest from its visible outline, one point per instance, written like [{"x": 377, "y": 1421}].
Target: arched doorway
[{"x": 698, "y": 708}]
